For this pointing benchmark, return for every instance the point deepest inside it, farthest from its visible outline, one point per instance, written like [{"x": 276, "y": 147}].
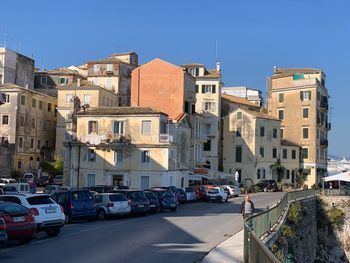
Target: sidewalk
[{"x": 228, "y": 251}]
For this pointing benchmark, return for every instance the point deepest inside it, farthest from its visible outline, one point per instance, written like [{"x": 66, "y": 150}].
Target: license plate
[
  {"x": 50, "y": 210},
  {"x": 141, "y": 206},
  {"x": 172, "y": 205},
  {"x": 153, "y": 205},
  {"x": 18, "y": 219}
]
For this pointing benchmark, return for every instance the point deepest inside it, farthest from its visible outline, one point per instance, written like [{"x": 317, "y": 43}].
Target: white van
[
  {"x": 28, "y": 177},
  {"x": 16, "y": 188}
]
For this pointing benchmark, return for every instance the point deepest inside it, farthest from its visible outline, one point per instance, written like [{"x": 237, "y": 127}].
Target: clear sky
[{"x": 253, "y": 37}]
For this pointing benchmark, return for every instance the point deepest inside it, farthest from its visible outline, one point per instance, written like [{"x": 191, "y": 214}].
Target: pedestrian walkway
[{"x": 228, "y": 251}]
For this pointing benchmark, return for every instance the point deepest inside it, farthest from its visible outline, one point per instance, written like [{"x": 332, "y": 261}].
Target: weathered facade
[
  {"x": 299, "y": 98},
  {"x": 27, "y": 131}
]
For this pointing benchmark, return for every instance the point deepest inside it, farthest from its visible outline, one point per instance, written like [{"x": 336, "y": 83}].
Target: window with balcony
[
  {"x": 145, "y": 156},
  {"x": 92, "y": 127},
  {"x": 146, "y": 128}
]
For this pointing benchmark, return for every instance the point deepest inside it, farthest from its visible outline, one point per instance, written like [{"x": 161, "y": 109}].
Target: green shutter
[{"x": 213, "y": 89}]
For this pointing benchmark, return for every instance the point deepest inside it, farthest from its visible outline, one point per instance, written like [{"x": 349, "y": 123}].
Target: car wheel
[
  {"x": 53, "y": 232},
  {"x": 26, "y": 240},
  {"x": 101, "y": 214}
]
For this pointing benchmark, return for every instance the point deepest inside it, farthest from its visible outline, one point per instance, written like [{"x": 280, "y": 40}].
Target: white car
[
  {"x": 5, "y": 181},
  {"x": 190, "y": 194},
  {"x": 28, "y": 177},
  {"x": 236, "y": 190},
  {"x": 216, "y": 194},
  {"x": 49, "y": 215}
]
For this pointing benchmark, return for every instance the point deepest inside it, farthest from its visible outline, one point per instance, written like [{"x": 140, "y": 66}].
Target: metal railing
[{"x": 260, "y": 225}]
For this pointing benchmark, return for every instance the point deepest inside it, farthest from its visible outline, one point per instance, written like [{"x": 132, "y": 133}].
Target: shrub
[
  {"x": 274, "y": 247},
  {"x": 336, "y": 218},
  {"x": 280, "y": 256},
  {"x": 295, "y": 213},
  {"x": 287, "y": 231}
]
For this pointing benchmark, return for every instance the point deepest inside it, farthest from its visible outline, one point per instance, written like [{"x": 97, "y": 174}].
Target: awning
[
  {"x": 197, "y": 177},
  {"x": 345, "y": 177}
]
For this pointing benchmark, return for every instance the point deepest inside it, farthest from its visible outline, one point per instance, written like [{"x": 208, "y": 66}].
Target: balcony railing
[
  {"x": 106, "y": 138},
  {"x": 324, "y": 142}
]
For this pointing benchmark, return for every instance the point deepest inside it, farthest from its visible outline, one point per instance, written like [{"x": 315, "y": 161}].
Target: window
[
  {"x": 146, "y": 128},
  {"x": 305, "y": 133},
  {"x": 288, "y": 174},
  {"x": 23, "y": 100},
  {"x": 197, "y": 89},
  {"x": 238, "y": 154},
  {"x": 62, "y": 81},
  {"x": 262, "y": 131},
  {"x": 43, "y": 80},
  {"x": 109, "y": 67},
  {"x": 305, "y": 153},
  {"x": 144, "y": 182},
  {"x": 145, "y": 156},
  {"x": 33, "y": 103},
  {"x": 208, "y": 88},
  {"x": 163, "y": 129},
  {"x": 305, "y": 95},
  {"x": 274, "y": 133},
  {"x": 5, "y": 120},
  {"x": 87, "y": 98},
  {"x": 40, "y": 105},
  {"x": 20, "y": 142},
  {"x": 239, "y": 132},
  {"x": 49, "y": 107},
  {"x": 262, "y": 152},
  {"x": 33, "y": 123},
  {"x": 187, "y": 107},
  {"x": 69, "y": 97},
  {"x": 285, "y": 154},
  {"x": 305, "y": 112},
  {"x": 261, "y": 173},
  {"x": 281, "y": 114},
  {"x": 32, "y": 143},
  {"x": 207, "y": 146},
  {"x": 6, "y": 97},
  {"x": 96, "y": 67},
  {"x": 91, "y": 155},
  {"x": 92, "y": 127},
  {"x": 209, "y": 106},
  {"x": 118, "y": 127},
  {"x": 281, "y": 97},
  {"x": 90, "y": 180},
  {"x": 239, "y": 115},
  {"x": 38, "y": 145},
  {"x": 281, "y": 131},
  {"x": 193, "y": 108},
  {"x": 274, "y": 153},
  {"x": 19, "y": 165},
  {"x": 294, "y": 154},
  {"x": 118, "y": 156}
]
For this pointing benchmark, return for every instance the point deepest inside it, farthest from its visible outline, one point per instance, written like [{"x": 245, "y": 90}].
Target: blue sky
[{"x": 253, "y": 37}]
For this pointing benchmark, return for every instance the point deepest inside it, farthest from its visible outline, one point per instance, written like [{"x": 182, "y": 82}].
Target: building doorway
[{"x": 118, "y": 180}]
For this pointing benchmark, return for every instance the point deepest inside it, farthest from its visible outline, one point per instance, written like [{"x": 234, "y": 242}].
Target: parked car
[
  {"x": 16, "y": 188},
  {"x": 182, "y": 194},
  {"x": 190, "y": 194},
  {"x": 28, "y": 177},
  {"x": 166, "y": 198},
  {"x": 58, "y": 179},
  {"x": 50, "y": 189},
  {"x": 76, "y": 204},
  {"x": 236, "y": 190},
  {"x": 48, "y": 215},
  {"x": 19, "y": 222},
  {"x": 201, "y": 192},
  {"x": 216, "y": 194},
  {"x": 3, "y": 235},
  {"x": 44, "y": 180},
  {"x": 173, "y": 189},
  {"x": 137, "y": 199},
  {"x": 101, "y": 188},
  {"x": 5, "y": 181},
  {"x": 154, "y": 205},
  {"x": 111, "y": 204},
  {"x": 267, "y": 185}
]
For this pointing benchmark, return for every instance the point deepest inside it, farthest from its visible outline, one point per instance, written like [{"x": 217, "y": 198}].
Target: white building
[{"x": 250, "y": 94}]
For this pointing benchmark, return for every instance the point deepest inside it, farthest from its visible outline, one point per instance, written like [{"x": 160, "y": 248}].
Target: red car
[{"x": 19, "y": 220}]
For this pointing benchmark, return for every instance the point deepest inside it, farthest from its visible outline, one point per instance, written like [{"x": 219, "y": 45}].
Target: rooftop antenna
[{"x": 217, "y": 56}]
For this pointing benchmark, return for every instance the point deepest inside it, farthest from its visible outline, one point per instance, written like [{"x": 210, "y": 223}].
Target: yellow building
[
  {"x": 133, "y": 146},
  {"x": 69, "y": 101},
  {"x": 27, "y": 129},
  {"x": 299, "y": 98}
]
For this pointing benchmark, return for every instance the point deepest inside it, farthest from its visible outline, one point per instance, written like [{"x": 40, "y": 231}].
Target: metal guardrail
[{"x": 260, "y": 225}]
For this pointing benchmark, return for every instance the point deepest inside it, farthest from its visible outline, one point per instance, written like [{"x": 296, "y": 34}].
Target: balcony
[
  {"x": 324, "y": 106},
  {"x": 93, "y": 139},
  {"x": 324, "y": 143},
  {"x": 165, "y": 138},
  {"x": 117, "y": 138}
]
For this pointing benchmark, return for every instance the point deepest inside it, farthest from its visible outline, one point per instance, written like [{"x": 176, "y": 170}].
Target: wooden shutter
[
  {"x": 301, "y": 96},
  {"x": 213, "y": 89},
  {"x": 197, "y": 89},
  {"x": 203, "y": 88},
  {"x": 309, "y": 95}
]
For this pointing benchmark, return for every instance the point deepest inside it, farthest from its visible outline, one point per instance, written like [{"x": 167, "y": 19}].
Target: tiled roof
[
  {"x": 59, "y": 71},
  {"x": 238, "y": 100},
  {"x": 123, "y": 53},
  {"x": 284, "y": 72},
  {"x": 211, "y": 73},
  {"x": 119, "y": 111},
  {"x": 106, "y": 61},
  {"x": 288, "y": 143},
  {"x": 193, "y": 64},
  {"x": 261, "y": 115}
]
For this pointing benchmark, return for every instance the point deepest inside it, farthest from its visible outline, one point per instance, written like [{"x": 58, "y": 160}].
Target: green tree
[
  {"x": 53, "y": 168},
  {"x": 278, "y": 168}
]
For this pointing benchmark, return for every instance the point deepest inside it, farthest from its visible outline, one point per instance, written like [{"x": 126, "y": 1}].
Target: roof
[
  {"x": 210, "y": 74},
  {"x": 19, "y": 88},
  {"x": 59, "y": 71},
  {"x": 119, "y": 111},
  {"x": 123, "y": 53},
  {"x": 260, "y": 115},
  {"x": 284, "y": 72},
  {"x": 288, "y": 143},
  {"x": 193, "y": 64},
  {"x": 238, "y": 100},
  {"x": 84, "y": 86},
  {"x": 338, "y": 177},
  {"x": 106, "y": 61}
]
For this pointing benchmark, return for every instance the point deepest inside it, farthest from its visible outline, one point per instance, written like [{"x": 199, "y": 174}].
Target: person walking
[{"x": 247, "y": 207}]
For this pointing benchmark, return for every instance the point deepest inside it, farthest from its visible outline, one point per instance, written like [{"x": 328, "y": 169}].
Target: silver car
[
  {"x": 190, "y": 194},
  {"x": 111, "y": 204}
]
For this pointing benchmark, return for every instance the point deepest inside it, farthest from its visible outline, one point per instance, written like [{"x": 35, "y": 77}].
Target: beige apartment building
[
  {"x": 299, "y": 98},
  {"x": 70, "y": 99},
  {"x": 138, "y": 147},
  {"x": 208, "y": 106},
  {"x": 114, "y": 73},
  {"x": 27, "y": 129}
]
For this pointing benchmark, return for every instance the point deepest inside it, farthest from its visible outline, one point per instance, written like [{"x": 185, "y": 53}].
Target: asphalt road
[{"x": 186, "y": 235}]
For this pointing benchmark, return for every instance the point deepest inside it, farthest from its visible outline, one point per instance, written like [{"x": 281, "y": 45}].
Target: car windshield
[
  {"x": 117, "y": 197},
  {"x": 166, "y": 194},
  {"x": 81, "y": 196},
  {"x": 136, "y": 195},
  {"x": 40, "y": 200},
  {"x": 150, "y": 195},
  {"x": 213, "y": 191},
  {"x": 59, "y": 177},
  {"x": 12, "y": 208},
  {"x": 28, "y": 176}
]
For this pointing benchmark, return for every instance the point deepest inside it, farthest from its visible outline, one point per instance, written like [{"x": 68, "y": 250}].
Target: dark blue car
[
  {"x": 166, "y": 198},
  {"x": 77, "y": 204}
]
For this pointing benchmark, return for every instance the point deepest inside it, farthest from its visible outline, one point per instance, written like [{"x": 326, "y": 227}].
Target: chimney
[
  {"x": 218, "y": 66},
  {"x": 274, "y": 69},
  {"x": 78, "y": 82}
]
